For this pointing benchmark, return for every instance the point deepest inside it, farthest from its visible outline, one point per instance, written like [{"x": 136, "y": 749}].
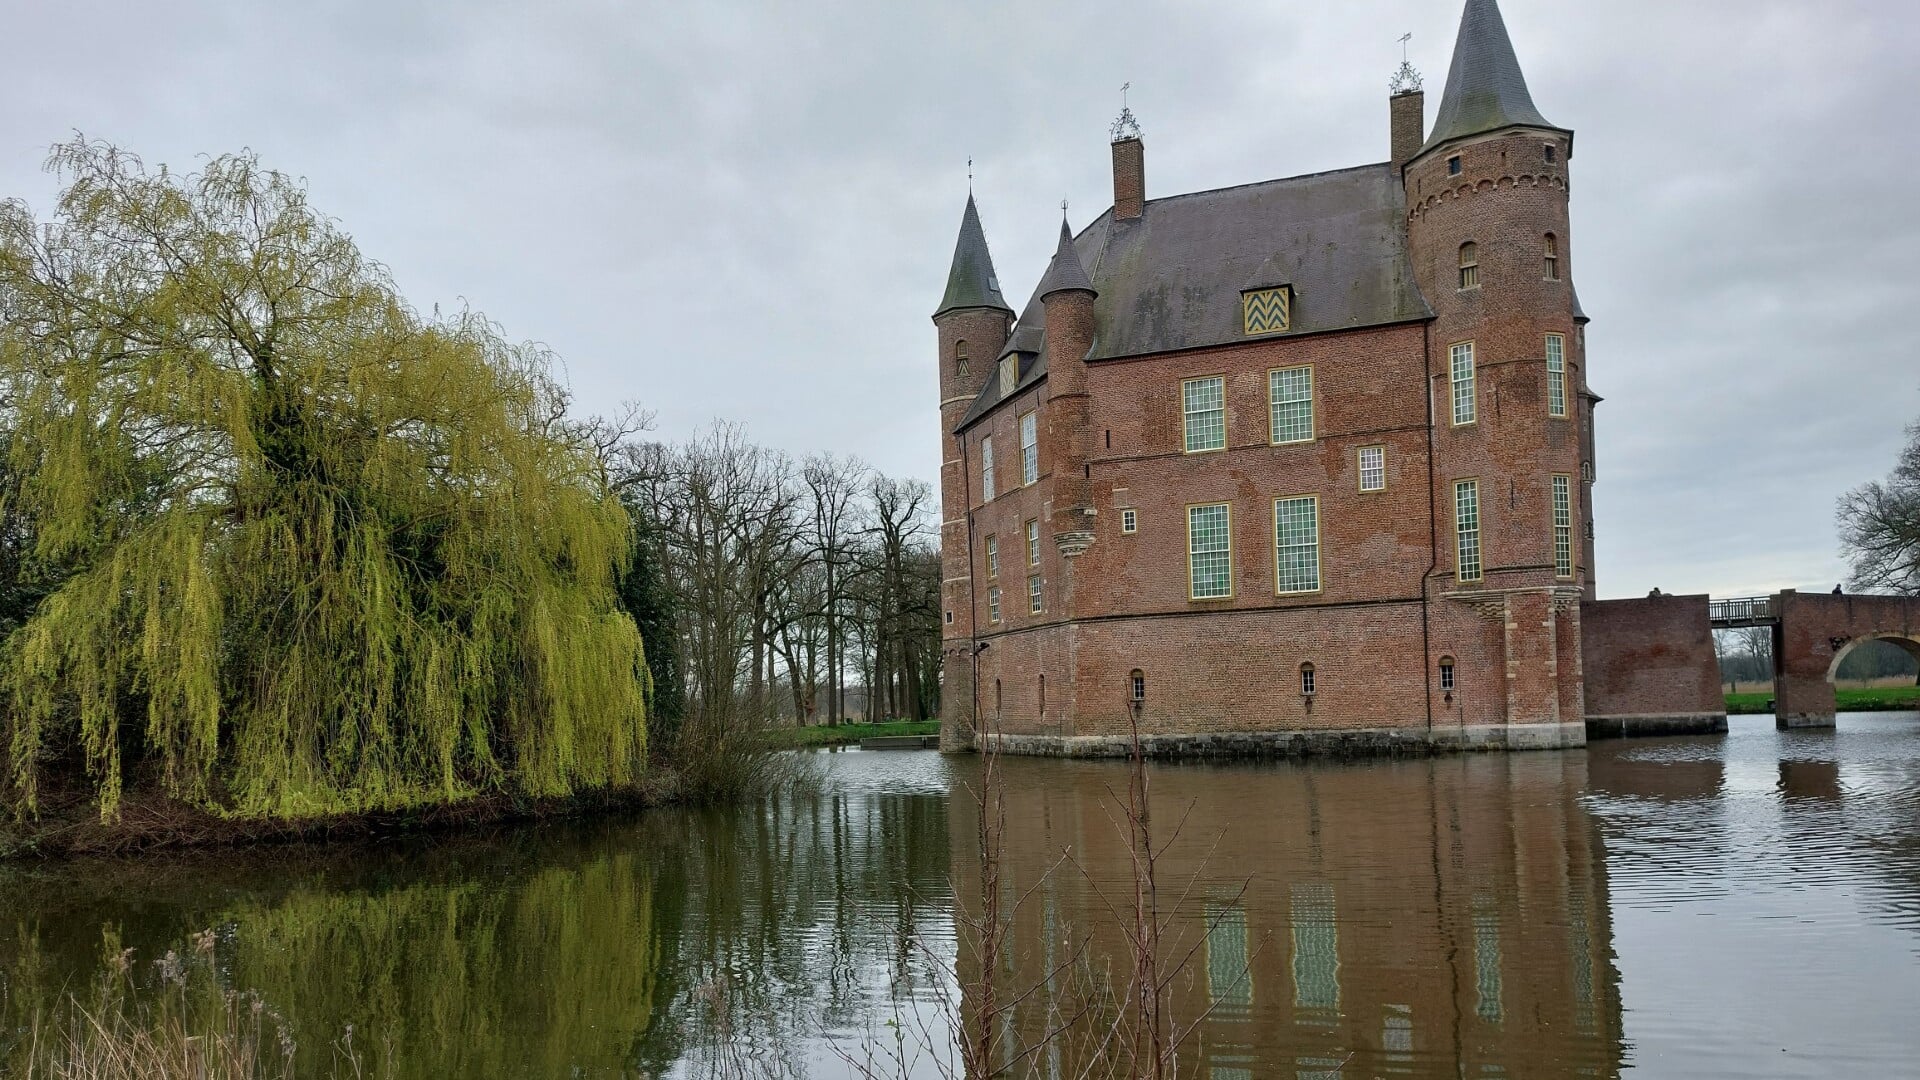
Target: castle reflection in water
[{"x": 1434, "y": 917}]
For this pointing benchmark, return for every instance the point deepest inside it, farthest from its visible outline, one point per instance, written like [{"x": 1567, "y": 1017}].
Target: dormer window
[
  {"x": 1009, "y": 373},
  {"x": 1267, "y": 311}
]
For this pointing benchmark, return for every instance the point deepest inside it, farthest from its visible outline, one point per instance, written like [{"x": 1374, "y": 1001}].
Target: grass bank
[
  {"x": 1867, "y": 699},
  {"x": 843, "y": 734}
]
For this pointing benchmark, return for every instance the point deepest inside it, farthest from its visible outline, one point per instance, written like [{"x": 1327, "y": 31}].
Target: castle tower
[
  {"x": 972, "y": 322},
  {"x": 1487, "y": 228}
]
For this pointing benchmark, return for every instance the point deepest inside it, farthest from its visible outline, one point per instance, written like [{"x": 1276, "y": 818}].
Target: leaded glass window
[
  {"x": 1562, "y": 525},
  {"x": 1373, "y": 468},
  {"x": 1460, "y": 372},
  {"x": 1204, "y": 406},
  {"x": 1029, "y": 449},
  {"x": 1556, "y": 375},
  {"x": 1209, "y": 552},
  {"x": 1466, "y": 530},
  {"x": 1296, "y": 538},
  {"x": 1290, "y": 404}
]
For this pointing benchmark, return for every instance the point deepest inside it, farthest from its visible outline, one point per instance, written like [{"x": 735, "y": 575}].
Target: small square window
[
  {"x": 1453, "y": 165},
  {"x": 949, "y": 618},
  {"x": 1552, "y": 152},
  {"x": 1129, "y": 521}
]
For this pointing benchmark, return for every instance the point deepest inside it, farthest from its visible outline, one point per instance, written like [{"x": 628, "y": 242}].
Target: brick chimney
[
  {"x": 1409, "y": 110},
  {"x": 1129, "y": 178}
]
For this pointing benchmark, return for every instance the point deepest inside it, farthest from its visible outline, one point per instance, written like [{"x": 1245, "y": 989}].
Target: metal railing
[{"x": 1744, "y": 609}]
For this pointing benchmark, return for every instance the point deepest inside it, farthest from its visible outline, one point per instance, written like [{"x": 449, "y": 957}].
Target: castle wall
[{"x": 1650, "y": 667}]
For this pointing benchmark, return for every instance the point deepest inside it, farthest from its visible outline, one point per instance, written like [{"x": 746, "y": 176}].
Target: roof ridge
[{"x": 1269, "y": 180}]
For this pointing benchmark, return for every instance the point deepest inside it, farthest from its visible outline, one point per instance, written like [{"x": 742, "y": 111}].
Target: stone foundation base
[
  {"x": 1640, "y": 724},
  {"x": 1790, "y": 721},
  {"x": 1349, "y": 742}
]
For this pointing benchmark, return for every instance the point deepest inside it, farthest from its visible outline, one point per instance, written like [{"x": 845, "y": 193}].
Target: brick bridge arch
[{"x": 1813, "y": 632}]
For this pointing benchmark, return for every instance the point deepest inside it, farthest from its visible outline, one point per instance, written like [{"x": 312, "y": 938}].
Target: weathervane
[
  {"x": 1126, "y": 127},
  {"x": 969, "y": 176},
  {"x": 1406, "y": 80}
]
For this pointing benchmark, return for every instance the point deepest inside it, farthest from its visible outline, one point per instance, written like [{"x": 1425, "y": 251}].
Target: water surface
[{"x": 1741, "y": 905}]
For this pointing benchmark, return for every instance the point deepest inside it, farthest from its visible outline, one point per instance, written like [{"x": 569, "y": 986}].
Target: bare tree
[{"x": 1880, "y": 526}]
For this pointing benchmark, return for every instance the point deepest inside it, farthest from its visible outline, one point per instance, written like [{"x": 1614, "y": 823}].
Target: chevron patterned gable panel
[{"x": 1267, "y": 311}]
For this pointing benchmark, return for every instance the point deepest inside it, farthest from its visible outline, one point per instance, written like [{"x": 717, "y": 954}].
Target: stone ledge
[
  {"x": 1341, "y": 742},
  {"x": 1635, "y": 725},
  {"x": 1791, "y": 721}
]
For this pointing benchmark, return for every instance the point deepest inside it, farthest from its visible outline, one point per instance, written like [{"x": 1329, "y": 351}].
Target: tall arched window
[
  {"x": 1306, "y": 679},
  {"x": 1469, "y": 265},
  {"x": 1552, "y": 258}
]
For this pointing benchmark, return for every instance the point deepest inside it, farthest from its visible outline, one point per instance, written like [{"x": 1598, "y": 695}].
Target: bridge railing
[{"x": 1747, "y": 609}]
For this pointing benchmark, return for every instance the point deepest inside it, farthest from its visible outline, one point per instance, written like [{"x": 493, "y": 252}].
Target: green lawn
[
  {"x": 822, "y": 735},
  {"x": 1864, "y": 700}
]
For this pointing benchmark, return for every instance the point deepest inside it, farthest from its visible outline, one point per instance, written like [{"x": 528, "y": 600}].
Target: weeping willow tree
[{"x": 323, "y": 555}]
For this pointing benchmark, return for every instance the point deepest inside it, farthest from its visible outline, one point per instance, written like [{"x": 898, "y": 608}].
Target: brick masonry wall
[
  {"x": 1816, "y": 630},
  {"x": 1650, "y": 656}
]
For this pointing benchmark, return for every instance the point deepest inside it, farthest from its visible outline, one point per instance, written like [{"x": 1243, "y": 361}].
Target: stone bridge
[{"x": 1812, "y": 633}]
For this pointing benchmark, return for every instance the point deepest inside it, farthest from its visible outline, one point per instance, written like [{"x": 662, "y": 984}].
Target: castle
[{"x": 1300, "y": 464}]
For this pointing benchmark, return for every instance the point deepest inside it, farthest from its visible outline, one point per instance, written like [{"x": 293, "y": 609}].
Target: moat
[{"x": 1740, "y": 905}]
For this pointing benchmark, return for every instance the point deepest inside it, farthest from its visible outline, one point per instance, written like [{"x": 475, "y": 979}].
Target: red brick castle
[{"x": 1300, "y": 464}]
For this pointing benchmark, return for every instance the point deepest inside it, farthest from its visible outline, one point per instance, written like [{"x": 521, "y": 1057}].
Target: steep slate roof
[
  {"x": 971, "y": 282},
  {"x": 1172, "y": 279},
  {"x": 1485, "y": 89},
  {"x": 1065, "y": 271}
]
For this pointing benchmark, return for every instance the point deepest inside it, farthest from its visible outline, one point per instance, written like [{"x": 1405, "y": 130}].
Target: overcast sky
[{"x": 747, "y": 210}]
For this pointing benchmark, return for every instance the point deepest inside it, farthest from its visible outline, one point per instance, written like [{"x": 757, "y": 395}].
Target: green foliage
[
  {"x": 326, "y": 556},
  {"x": 843, "y": 734},
  {"x": 648, "y": 596}
]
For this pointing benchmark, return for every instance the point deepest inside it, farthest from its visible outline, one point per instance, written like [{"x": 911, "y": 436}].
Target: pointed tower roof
[
  {"x": 971, "y": 283},
  {"x": 1485, "y": 89},
  {"x": 1066, "y": 271}
]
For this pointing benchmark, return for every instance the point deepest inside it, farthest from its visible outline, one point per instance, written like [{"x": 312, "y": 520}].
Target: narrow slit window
[
  {"x": 1373, "y": 468},
  {"x": 1203, "y": 404},
  {"x": 1466, "y": 530},
  {"x": 1029, "y": 449},
  {"x": 986, "y": 468},
  {"x": 1209, "y": 552},
  {"x": 1552, "y": 258},
  {"x": 1469, "y": 265},
  {"x": 1460, "y": 372},
  {"x": 1290, "y": 404},
  {"x": 1296, "y": 539},
  {"x": 1306, "y": 680},
  {"x": 1556, "y": 375},
  {"x": 1562, "y": 525}
]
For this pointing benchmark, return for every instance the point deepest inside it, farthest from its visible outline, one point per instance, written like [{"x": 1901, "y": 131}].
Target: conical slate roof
[
  {"x": 1485, "y": 89},
  {"x": 971, "y": 282},
  {"x": 1066, "y": 271}
]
